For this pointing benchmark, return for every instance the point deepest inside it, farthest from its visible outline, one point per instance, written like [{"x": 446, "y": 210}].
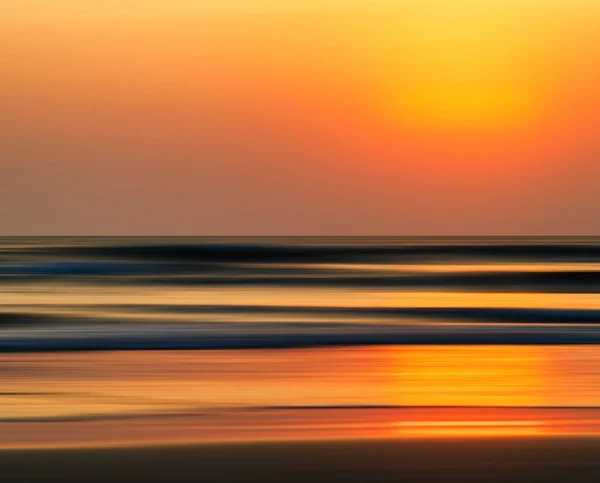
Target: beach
[{"x": 454, "y": 460}]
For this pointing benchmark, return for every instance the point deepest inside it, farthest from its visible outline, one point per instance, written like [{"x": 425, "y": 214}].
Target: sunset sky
[{"x": 300, "y": 117}]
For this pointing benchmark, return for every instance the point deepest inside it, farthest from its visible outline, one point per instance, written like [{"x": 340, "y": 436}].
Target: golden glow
[
  {"x": 464, "y": 102},
  {"x": 455, "y": 64},
  {"x": 492, "y": 428},
  {"x": 459, "y": 424},
  {"x": 502, "y": 376},
  {"x": 387, "y": 392}
]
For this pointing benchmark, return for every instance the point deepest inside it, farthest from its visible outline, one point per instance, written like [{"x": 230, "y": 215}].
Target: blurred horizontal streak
[{"x": 458, "y": 424}]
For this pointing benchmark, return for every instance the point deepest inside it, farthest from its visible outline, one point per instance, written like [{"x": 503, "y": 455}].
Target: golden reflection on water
[
  {"x": 468, "y": 376},
  {"x": 471, "y": 376},
  {"x": 399, "y": 391},
  {"x": 468, "y": 428},
  {"x": 496, "y": 390}
]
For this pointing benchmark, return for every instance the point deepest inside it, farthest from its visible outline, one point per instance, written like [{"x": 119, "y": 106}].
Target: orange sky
[{"x": 403, "y": 117}]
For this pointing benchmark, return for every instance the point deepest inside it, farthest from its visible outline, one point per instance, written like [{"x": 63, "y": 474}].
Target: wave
[
  {"x": 172, "y": 269},
  {"x": 478, "y": 314},
  {"x": 560, "y": 281},
  {"x": 583, "y": 281},
  {"x": 354, "y": 263},
  {"x": 310, "y": 253},
  {"x": 243, "y": 335},
  {"x": 110, "y": 314},
  {"x": 73, "y": 268}
]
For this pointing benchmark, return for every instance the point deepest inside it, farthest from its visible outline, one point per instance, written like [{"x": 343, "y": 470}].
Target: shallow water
[
  {"x": 119, "y": 384},
  {"x": 135, "y": 397}
]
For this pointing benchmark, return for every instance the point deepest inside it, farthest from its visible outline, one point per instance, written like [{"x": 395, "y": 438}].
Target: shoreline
[
  {"x": 301, "y": 424},
  {"x": 568, "y": 459}
]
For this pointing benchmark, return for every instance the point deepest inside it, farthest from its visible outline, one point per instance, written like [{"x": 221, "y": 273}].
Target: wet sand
[
  {"x": 568, "y": 459},
  {"x": 359, "y": 445},
  {"x": 286, "y": 425},
  {"x": 391, "y": 414}
]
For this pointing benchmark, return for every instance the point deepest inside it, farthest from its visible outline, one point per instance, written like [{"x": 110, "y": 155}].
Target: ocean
[{"x": 281, "y": 331}]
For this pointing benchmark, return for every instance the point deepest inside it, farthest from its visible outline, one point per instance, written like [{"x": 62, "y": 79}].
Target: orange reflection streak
[
  {"x": 470, "y": 376},
  {"x": 510, "y": 432},
  {"x": 494, "y": 377},
  {"x": 470, "y": 428},
  {"x": 460, "y": 424}
]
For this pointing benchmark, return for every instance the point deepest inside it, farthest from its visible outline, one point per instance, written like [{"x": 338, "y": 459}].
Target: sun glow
[
  {"x": 462, "y": 65},
  {"x": 459, "y": 116}
]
